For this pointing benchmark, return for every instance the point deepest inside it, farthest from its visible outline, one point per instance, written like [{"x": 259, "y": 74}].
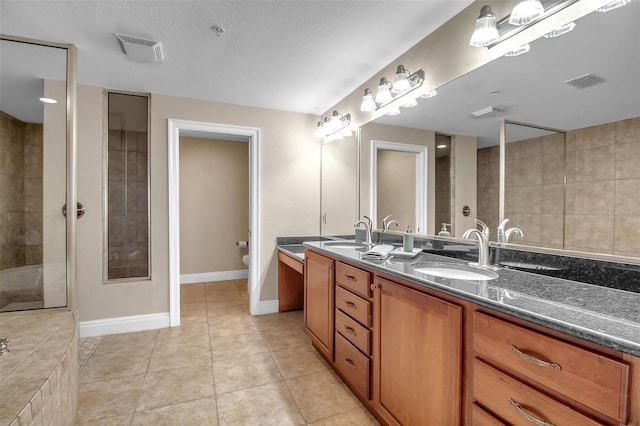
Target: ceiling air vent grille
[
  {"x": 585, "y": 81},
  {"x": 141, "y": 49}
]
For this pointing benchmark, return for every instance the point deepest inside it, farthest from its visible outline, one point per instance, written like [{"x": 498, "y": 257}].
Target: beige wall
[
  {"x": 464, "y": 192},
  {"x": 289, "y": 194},
  {"x": 396, "y": 188},
  {"x": 214, "y": 204},
  {"x": 381, "y": 132},
  {"x": 601, "y": 209}
]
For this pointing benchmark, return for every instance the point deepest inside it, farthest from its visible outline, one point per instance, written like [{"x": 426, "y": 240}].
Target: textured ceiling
[{"x": 301, "y": 56}]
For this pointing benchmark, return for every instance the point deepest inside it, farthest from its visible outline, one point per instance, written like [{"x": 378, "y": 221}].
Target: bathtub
[{"x": 21, "y": 288}]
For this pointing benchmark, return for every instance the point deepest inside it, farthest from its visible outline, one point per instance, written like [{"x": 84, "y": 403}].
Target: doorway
[
  {"x": 416, "y": 184},
  {"x": 176, "y": 129}
]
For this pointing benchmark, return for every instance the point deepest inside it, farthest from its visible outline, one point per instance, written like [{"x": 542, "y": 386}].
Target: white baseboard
[
  {"x": 268, "y": 307},
  {"x": 203, "y": 277},
  {"x": 124, "y": 324}
]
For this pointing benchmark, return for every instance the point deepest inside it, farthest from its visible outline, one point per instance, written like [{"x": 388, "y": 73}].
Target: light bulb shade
[
  {"x": 486, "y": 31},
  {"x": 430, "y": 94},
  {"x": 410, "y": 103},
  {"x": 519, "y": 51},
  {"x": 368, "y": 104},
  {"x": 561, "y": 30},
  {"x": 525, "y": 11},
  {"x": 613, "y": 5},
  {"x": 319, "y": 130},
  {"x": 401, "y": 80},
  {"x": 384, "y": 92},
  {"x": 393, "y": 111}
]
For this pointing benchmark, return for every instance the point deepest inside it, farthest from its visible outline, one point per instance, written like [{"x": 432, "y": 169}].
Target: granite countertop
[
  {"x": 605, "y": 316},
  {"x": 294, "y": 250}
]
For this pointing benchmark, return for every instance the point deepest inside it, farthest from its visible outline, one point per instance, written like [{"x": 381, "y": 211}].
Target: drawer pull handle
[
  {"x": 534, "y": 360},
  {"x": 351, "y": 305},
  {"x": 350, "y": 330},
  {"x": 531, "y": 418},
  {"x": 351, "y": 278},
  {"x": 350, "y": 363}
]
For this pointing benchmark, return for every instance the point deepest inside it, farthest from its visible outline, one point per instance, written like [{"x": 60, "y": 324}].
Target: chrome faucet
[
  {"x": 503, "y": 235},
  {"x": 368, "y": 227},
  {"x": 483, "y": 243},
  {"x": 386, "y": 223}
]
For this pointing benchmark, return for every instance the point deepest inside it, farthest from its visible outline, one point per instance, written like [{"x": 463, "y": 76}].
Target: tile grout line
[{"x": 144, "y": 379}]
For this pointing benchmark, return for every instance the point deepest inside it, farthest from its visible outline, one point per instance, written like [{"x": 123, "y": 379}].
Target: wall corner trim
[{"x": 103, "y": 327}]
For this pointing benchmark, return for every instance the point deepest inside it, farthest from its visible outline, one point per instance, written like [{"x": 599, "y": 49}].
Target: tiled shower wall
[
  {"x": 20, "y": 192},
  {"x": 601, "y": 208},
  {"x": 128, "y": 217}
]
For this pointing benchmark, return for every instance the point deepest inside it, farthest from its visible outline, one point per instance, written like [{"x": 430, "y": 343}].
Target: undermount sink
[
  {"x": 347, "y": 245},
  {"x": 454, "y": 272}
]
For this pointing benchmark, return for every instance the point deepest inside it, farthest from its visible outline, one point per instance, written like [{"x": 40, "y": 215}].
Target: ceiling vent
[
  {"x": 488, "y": 111},
  {"x": 585, "y": 81},
  {"x": 141, "y": 49}
]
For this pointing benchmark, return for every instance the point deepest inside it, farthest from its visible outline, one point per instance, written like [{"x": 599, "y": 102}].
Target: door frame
[
  {"x": 177, "y": 127},
  {"x": 421, "y": 179}
]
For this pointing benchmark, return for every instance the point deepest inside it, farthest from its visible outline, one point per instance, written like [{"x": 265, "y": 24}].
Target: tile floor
[{"x": 220, "y": 367}]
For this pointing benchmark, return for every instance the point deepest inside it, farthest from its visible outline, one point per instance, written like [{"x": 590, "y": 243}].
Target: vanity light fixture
[
  {"x": 388, "y": 93},
  {"x": 526, "y": 11},
  {"x": 336, "y": 127},
  {"x": 486, "y": 31},
  {"x": 613, "y": 5},
  {"x": 410, "y": 103},
  {"x": 561, "y": 30},
  {"x": 524, "y": 14},
  {"x": 519, "y": 51},
  {"x": 48, "y": 100}
]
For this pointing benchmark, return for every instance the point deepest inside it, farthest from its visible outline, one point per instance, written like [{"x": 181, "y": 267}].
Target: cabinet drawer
[
  {"x": 354, "y": 366},
  {"x": 354, "y": 279},
  {"x": 353, "y": 332},
  {"x": 479, "y": 417},
  {"x": 354, "y": 306},
  {"x": 516, "y": 403},
  {"x": 591, "y": 379}
]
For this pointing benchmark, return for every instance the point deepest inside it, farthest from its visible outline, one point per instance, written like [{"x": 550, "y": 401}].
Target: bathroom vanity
[
  {"x": 514, "y": 348},
  {"x": 290, "y": 277}
]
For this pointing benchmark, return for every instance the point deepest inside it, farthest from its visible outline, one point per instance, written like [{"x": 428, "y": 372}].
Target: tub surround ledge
[{"x": 39, "y": 376}]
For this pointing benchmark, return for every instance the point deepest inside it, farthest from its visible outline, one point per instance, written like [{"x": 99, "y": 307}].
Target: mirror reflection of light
[{"x": 48, "y": 100}]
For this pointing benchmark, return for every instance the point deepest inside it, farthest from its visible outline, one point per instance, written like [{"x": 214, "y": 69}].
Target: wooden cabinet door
[
  {"x": 319, "y": 302},
  {"x": 417, "y": 357}
]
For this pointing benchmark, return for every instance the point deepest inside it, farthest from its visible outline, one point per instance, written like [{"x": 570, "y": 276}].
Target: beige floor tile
[
  {"x": 191, "y": 306},
  {"x": 112, "y": 366},
  {"x": 220, "y": 285},
  {"x": 236, "y": 308},
  {"x": 196, "y": 352},
  {"x": 321, "y": 395},
  {"x": 109, "y": 421},
  {"x": 229, "y": 324},
  {"x": 239, "y": 344},
  {"x": 218, "y": 299},
  {"x": 358, "y": 416},
  {"x": 169, "y": 387},
  {"x": 182, "y": 334},
  {"x": 193, "y": 317},
  {"x": 280, "y": 338},
  {"x": 234, "y": 373},
  {"x": 300, "y": 361},
  {"x": 110, "y": 398},
  {"x": 266, "y": 405},
  {"x": 192, "y": 413},
  {"x": 127, "y": 343},
  {"x": 288, "y": 320}
]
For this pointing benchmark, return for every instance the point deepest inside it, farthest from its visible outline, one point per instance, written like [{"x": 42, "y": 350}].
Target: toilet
[{"x": 245, "y": 259}]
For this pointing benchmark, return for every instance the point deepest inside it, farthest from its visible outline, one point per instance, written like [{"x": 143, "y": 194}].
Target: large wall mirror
[
  {"x": 35, "y": 147},
  {"x": 581, "y": 178}
]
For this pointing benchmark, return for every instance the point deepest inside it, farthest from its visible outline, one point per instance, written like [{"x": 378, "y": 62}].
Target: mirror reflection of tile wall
[
  {"x": 601, "y": 207},
  {"x": 21, "y": 180}
]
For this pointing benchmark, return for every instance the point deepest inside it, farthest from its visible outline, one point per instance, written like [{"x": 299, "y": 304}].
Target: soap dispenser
[
  {"x": 443, "y": 232},
  {"x": 407, "y": 240}
]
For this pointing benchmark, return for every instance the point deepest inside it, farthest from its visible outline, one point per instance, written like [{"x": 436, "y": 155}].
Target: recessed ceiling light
[
  {"x": 48, "y": 100},
  {"x": 442, "y": 145},
  {"x": 218, "y": 30}
]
